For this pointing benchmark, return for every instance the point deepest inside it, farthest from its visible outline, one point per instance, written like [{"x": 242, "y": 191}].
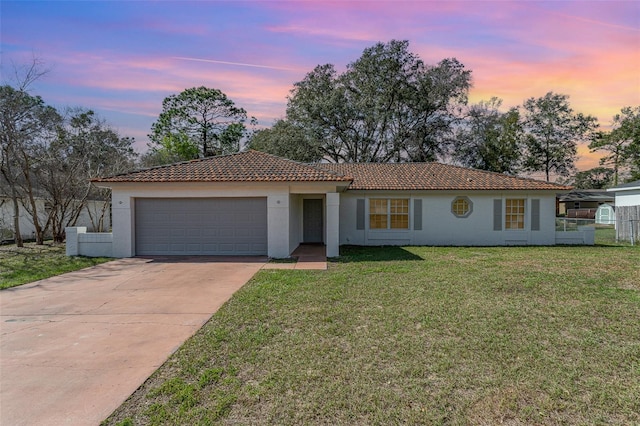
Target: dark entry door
[{"x": 312, "y": 221}]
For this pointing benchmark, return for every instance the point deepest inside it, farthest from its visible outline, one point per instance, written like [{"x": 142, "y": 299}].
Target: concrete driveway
[{"x": 74, "y": 347}]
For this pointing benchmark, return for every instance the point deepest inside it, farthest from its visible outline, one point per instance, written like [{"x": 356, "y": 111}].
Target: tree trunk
[
  {"x": 16, "y": 218},
  {"x": 34, "y": 210},
  {"x": 36, "y": 223}
]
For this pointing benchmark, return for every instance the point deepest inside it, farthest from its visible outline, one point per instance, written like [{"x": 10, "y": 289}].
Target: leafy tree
[
  {"x": 201, "y": 117},
  {"x": 387, "y": 106},
  {"x": 173, "y": 148},
  {"x": 596, "y": 178},
  {"x": 622, "y": 143},
  {"x": 489, "y": 139},
  {"x": 553, "y": 131},
  {"x": 287, "y": 140}
]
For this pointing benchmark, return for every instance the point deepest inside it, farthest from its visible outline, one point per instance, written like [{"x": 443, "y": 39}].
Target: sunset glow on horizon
[{"x": 122, "y": 59}]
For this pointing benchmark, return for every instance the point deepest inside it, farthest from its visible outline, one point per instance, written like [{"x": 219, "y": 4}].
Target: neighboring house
[
  {"x": 252, "y": 203},
  {"x": 89, "y": 215},
  {"x": 583, "y": 199},
  {"x": 627, "y": 210}
]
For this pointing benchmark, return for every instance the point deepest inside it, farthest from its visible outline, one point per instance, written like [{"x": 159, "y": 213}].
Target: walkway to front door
[{"x": 308, "y": 256}]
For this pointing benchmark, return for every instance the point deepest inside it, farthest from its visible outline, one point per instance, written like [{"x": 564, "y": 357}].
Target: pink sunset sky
[{"x": 122, "y": 58}]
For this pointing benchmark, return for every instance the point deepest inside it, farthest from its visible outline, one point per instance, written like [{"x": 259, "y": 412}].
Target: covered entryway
[{"x": 201, "y": 226}]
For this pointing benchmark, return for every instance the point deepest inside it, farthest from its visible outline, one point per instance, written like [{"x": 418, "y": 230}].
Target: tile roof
[
  {"x": 256, "y": 166},
  {"x": 431, "y": 176},
  {"x": 248, "y": 166},
  {"x": 586, "y": 195}
]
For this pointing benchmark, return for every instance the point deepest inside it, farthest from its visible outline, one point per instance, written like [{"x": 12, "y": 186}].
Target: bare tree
[
  {"x": 21, "y": 121},
  {"x": 84, "y": 148}
]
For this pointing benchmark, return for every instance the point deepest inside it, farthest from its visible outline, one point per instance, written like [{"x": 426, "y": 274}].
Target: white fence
[
  {"x": 90, "y": 244},
  {"x": 575, "y": 231}
]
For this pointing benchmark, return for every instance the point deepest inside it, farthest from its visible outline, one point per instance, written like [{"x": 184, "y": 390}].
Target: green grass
[
  {"x": 415, "y": 335},
  {"x": 35, "y": 262},
  {"x": 606, "y": 235}
]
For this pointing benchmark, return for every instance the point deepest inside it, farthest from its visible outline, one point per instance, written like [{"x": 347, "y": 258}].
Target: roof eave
[{"x": 631, "y": 188}]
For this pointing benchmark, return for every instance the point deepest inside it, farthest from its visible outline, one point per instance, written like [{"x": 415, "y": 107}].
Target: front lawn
[
  {"x": 416, "y": 335},
  {"x": 35, "y": 262}
]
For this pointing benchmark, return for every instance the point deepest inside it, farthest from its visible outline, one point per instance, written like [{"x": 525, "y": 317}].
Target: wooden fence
[
  {"x": 628, "y": 223},
  {"x": 582, "y": 213}
]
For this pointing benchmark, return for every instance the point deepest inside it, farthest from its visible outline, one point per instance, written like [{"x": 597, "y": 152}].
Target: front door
[{"x": 312, "y": 221}]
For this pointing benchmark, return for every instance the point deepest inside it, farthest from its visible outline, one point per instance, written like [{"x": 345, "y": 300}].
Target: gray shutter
[
  {"x": 417, "y": 215},
  {"x": 360, "y": 214},
  {"x": 535, "y": 215},
  {"x": 497, "y": 215}
]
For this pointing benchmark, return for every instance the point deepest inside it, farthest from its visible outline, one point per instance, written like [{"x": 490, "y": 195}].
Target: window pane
[
  {"x": 377, "y": 206},
  {"x": 514, "y": 214},
  {"x": 399, "y": 221},
  {"x": 460, "y": 207},
  {"x": 400, "y": 206},
  {"x": 399, "y": 214},
  {"x": 388, "y": 213},
  {"x": 378, "y": 214},
  {"x": 378, "y": 221}
]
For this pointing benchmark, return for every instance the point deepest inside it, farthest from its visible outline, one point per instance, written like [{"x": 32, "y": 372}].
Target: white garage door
[{"x": 201, "y": 226}]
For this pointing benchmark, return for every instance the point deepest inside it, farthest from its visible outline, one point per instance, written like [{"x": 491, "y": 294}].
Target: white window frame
[
  {"x": 388, "y": 213},
  {"x": 505, "y": 213}
]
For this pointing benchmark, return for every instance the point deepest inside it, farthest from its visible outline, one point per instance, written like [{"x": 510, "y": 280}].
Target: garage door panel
[
  {"x": 245, "y": 217},
  {"x": 227, "y": 218},
  {"x": 243, "y": 233},
  {"x": 209, "y": 233},
  {"x": 242, "y": 247},
  {"x": 160, "y": 216},
  {"x": 226, "y": 233},
  {"x": 209, "y": 247},
  {"x": 206, "y": 226},
  {"x": 162, "y": 248},
  {"x": 194, "y": 233},
  {"x": 177, "y": 233}
]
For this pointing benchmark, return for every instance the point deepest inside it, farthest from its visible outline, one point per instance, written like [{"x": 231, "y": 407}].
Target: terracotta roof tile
[
  {"x": 256, "y": 166},
  {"x": 248, "y": 166},
  {"x": 431, "y": 176}
]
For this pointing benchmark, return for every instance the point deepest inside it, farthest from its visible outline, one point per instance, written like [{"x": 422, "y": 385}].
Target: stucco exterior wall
[
  {"x": 332, "y": 220},
  {"x": 295, "y": 221},
  {"x": 628, "y": 198},
  {"x": 89, "y": 244},
  {"x": 441, "y": 227},
  {"x": 278, "y": 224},
  {"x": 285, "y": 215},
  {"x": 284, "y": 208}
]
